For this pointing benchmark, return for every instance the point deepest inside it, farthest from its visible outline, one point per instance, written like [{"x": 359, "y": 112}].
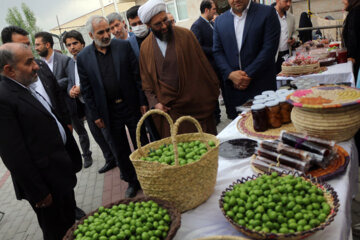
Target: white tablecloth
[
  {"x": 208, "y": 220},
  {"x": 334, "y": 74}
]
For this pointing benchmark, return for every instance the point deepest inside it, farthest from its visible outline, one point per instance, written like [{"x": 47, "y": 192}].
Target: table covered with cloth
[
  {"x": 338, "y": 73},
  {"x": 208, "y": 220}
]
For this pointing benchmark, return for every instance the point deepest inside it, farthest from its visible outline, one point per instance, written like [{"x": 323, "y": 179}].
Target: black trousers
[
  {"x": 56, "y": 219},
  {"x": 280, "y": 60},
  {"x": 121, "y": 115}
]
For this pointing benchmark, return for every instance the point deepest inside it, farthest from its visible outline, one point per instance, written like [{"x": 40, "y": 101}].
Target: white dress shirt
[
  {"x": 50, "y": 63},
  {"x": 46, "y": 105},
  {"x": 39, "y": 87},
  {"x": 77, "y": 81},
  {"x": 162, "y": 45},
  {"x": 283, "y": 45},
  {"x": 239, "y": 25}
]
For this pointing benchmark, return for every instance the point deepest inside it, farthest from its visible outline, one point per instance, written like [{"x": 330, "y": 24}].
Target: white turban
[{"x": 151, "y": 8}]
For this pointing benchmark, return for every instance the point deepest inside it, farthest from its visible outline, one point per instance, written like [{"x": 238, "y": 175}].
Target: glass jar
[
  {"x": 285, "y": 110},
  {"x": 258, "y": 97},
  {"x": 273, "y": 114},
  {"x": 259, "y": 114},
  {"x": 268, "y": 92}
]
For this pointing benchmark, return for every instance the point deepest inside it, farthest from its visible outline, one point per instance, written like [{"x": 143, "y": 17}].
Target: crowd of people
[{"x": 113, "y": 81}]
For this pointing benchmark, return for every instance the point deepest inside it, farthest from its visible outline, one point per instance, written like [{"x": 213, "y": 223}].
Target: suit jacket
[
  {"x": 59, "y": 69},
  {"x": 204, "y": 33},
  {"x": 53, "y": 90},
  {"x": 135, "y": 46},
  {"x": 259, "y": 46},
  {"x": 31, "y": 146},
  {"x": 127, "y": 74}
]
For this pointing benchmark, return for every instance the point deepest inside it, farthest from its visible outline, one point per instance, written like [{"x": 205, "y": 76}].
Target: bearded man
[
  {"x": 110, "y": 83},
  {"x": 176, "y": 76}
]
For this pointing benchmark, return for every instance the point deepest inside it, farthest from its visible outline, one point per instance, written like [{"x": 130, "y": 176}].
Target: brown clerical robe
[{"x": 187, "y": 84}]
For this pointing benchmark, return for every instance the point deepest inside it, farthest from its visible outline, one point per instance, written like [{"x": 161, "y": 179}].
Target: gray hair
[
  {"x": 8, "y": 54},
  {"x": 114, "y": 16},
  {"x": 95, "y": 19},
  {"x": 6, "y": 57}
]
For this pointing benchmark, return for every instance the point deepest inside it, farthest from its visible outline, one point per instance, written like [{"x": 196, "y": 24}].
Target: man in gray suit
[
  {"x": 74, "y": 42},
  {"x": 287, "y": 35},
  {"x": 58, "y": 64}
]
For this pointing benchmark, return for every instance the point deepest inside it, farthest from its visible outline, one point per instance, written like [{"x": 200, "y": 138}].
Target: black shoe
[
  {"x": 88, "y": 162},
  {"x": 107, "y": 167},
  {"x": 79, "y": 213},
  {"x": 132, "y": 189}
]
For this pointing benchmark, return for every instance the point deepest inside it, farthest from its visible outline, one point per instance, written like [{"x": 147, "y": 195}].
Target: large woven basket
[
  {"x": 301, "y": 69},
  {"x": 173, "y": 212},
  {"x": 329, "y": 194},
  {"x": 337, "y": 124},
  {"x": 185, "y": 186},
  {"x": 222, "y": 238}
]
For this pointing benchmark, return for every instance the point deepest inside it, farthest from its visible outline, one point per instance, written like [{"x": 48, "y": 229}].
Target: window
[{"x": 178, "y": 9}]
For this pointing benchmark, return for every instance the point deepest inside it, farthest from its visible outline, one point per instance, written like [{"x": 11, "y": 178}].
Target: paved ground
[{"x": 92, "y": 190}]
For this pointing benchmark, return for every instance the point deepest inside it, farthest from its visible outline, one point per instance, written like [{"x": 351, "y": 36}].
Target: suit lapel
[
  {"x": 94, "y": 66},
  {"x": 72, "y": 71},
  {"x": 116, "y": 60},
  {"x": 229, "y": 21},
  {"x": 26, "y": 96},
  {"x": 55, "y": 63},
  {"x": 249, "y": 19}
]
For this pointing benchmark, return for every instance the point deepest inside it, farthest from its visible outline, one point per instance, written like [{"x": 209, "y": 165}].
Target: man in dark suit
[
  {"x": 47, "y": 84},
  {"x": 203, "y": 29},
  {"x": 35, "y": 144},
  {"x": 110, "y": 83},
  {"x": 58, "y": 64},
  {"x": 74, "y": 42},
  {"x": 246, "y": 39}
]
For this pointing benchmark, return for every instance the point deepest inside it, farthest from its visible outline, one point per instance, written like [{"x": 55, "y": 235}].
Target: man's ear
[
  {"x": 91, "y": 35},
  {"x": 9, "y": 71},
  {"x": 47, "y": 45}
]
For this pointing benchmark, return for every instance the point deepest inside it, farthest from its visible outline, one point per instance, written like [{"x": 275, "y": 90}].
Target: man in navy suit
[
  {"x": 203, "y": 29},
  {"x": 110, "y": 83},
  {"x": 246, "y": 39},
  {"x": 74, "y": 42}
]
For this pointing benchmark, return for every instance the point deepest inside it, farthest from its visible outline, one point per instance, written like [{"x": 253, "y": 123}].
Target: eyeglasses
[{"x": 159, "y": 24}]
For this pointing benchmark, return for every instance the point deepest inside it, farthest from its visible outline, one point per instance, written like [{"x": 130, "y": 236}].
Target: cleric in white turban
[{"x": 150, "y": 9}]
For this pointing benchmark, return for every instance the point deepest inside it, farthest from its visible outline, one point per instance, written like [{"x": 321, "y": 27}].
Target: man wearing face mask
[{"x": 140, "y": 30}]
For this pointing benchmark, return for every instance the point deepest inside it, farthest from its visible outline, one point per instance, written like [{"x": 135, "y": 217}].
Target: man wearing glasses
[{"x": 176, "y": 76}]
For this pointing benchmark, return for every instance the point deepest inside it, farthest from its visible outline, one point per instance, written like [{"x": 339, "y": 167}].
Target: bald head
[{"x": 17, "y": 62}]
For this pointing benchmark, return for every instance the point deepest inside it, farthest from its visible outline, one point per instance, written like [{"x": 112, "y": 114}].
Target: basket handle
[
  {"x": 141, "y": 121},
  {"x": 175, "y": 132}
]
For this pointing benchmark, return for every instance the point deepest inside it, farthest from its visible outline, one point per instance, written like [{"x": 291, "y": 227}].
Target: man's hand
[
  {"x": 46, "y": 202},
  {"x": 162, "y": 107},
  {"x": 70, "y": 127},
  {"x": 74, "y": 91},
  {"x": 291, "y": 41},
  {"x": 100, "y": 123},
  {"x": 143, "y": 109},
  {"x": 351, "y": 60},
  {"x": 240, "y": 79}
]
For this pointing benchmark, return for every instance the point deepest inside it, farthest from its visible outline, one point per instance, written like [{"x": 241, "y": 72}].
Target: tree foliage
[{"x": 25, "y": 20}]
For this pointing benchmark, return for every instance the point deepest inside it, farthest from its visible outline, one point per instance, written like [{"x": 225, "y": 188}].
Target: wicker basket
[
  {"x": 337, "y": 124},
  {"x": 222, "y": 238},
  {"x": 301, "y": 69},
  {"x": 173, "y": 212},
  {"x": 329, "y": 194},
  {"x": 185, "y": 186}
]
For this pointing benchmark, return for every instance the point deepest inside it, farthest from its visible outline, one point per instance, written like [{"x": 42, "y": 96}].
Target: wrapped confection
[
  {"x": 303, "y": 143},
  {"x": 265, "y": 165},
  {"x": 302, "y": 166},
  {"x": 319, "y": 141}
]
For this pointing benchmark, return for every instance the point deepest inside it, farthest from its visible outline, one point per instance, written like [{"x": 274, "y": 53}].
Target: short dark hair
[
  {"x": 46, "y": 38},
  {"x": 352, "y": 4},
  {"x": 73, "y": 34},
  {"x": 7, "y": 32},
  {"x": 205, "y": 4},
  {"x": 132, "y": 12}
]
